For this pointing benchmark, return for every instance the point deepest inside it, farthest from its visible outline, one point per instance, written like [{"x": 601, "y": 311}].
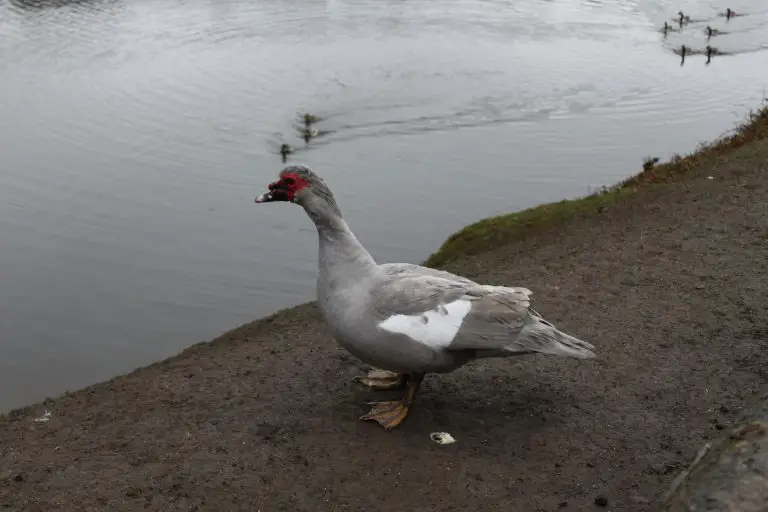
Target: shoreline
[
  {"x": 500, "y": 230},
  {"x": 492, "y": 232},
  {"x": 663, "y": 273}
]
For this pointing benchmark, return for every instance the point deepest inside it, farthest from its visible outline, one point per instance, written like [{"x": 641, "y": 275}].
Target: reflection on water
[{"x": 135, "y": 135}]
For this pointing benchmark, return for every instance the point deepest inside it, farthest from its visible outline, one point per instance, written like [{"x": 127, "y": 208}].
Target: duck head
[
  {"x": 295, "y": 182},
  {"x": 298, "y": 184}
]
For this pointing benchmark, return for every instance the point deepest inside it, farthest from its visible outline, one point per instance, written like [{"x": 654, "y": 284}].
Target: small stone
[
  {"x": 563, "y": 504},
  {"x": 442, "y": 438},
  {"x": 19, "y": 478},
  {"x": 601, "y": 501},
  {"x": 724, "y": 409},
  {"x": 719, "y": 426}
]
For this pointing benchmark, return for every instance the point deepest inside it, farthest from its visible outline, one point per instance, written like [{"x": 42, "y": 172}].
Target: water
[{"x": 135, "y": 134}]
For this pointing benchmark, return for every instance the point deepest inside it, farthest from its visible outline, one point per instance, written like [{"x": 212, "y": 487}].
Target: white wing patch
[{"x": 436, "y": 328}]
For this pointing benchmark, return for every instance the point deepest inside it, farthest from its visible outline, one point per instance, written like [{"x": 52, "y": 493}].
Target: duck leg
[
  {"x": 382, "y": 379},
  {"x": 391, "y": 414}
]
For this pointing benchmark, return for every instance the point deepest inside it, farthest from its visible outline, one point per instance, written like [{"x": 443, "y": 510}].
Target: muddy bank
[{"x": 668, "y": 282}]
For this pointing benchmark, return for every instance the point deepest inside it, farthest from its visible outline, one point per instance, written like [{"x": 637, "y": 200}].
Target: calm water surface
[{"x": 135, "y": 134}]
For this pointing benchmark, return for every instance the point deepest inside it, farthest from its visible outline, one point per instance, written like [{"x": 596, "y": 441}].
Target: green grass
[{"x": 501, "y": 230}]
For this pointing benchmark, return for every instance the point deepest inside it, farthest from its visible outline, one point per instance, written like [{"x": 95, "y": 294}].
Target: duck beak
[
  {"x": 267, "y": 197},
  {"x": 264, "y": 198},
  {"x": 277, "y": 192}
]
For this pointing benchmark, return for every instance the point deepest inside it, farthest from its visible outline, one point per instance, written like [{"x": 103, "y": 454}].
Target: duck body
[
  {"x": 355, "y": 296},
  {"x": 407, "y": 319},
  {"x": 357, "y": 330}
]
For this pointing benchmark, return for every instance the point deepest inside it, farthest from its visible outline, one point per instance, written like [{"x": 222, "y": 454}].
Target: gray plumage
[{"x": 408, "y": 318}]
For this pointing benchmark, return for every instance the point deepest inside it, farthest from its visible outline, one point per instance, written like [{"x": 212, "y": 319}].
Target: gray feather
[
  {"x": 356, "y": 295},
  {"x": 500, "y": 319}
]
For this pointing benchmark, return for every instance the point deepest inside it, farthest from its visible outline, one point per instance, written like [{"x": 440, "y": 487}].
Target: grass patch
[{"x": 501, "y": 230}]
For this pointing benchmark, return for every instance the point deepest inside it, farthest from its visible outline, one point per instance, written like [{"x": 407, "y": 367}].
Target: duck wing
[
  {"x": 402, "y": 270},
  {"x": 435, "y": 309}
]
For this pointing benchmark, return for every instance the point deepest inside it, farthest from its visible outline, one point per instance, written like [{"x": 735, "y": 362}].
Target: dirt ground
[{"x": 669, "y": 286}]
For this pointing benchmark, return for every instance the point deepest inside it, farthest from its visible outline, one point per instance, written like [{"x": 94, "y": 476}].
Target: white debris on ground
[
  {"x": 442, "y": 437},
  {"x": 45, "y": 417}
]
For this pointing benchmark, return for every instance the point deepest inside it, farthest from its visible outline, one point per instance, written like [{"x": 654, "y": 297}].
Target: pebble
[
  {"x": 442, "y": 438},
  {"x": 601, "y": 501}
]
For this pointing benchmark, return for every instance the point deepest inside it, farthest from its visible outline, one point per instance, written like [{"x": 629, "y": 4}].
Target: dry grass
[{"x": 497, "y": 231}]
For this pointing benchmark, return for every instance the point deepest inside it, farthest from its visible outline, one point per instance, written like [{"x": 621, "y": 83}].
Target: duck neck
[{"x": 342, "y": 259}]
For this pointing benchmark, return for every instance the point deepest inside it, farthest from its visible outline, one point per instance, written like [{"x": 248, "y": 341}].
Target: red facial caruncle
[{"x": 285, "y": 189}]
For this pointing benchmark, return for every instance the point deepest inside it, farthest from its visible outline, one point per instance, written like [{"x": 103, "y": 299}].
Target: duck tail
[
  {"x": 568, "y": 345},
  {"x": 544, "y": 337}
]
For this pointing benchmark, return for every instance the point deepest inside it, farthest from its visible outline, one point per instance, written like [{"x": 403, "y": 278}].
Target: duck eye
[{"x": 289, "y": 181}]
